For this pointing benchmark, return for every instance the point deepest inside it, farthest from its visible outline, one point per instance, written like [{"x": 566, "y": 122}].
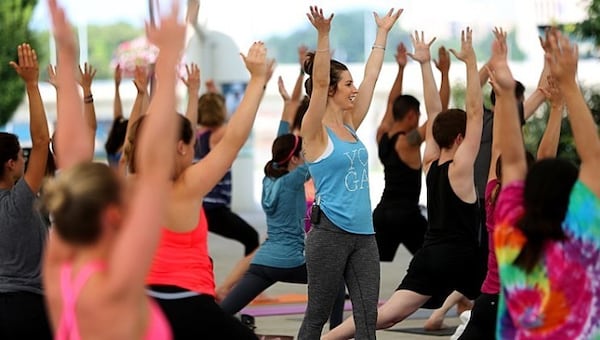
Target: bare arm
[
  {"x": 193, "y": 85},
  {"x": 312, "y": 130},
  {"x": 514, "y": 165},
  {"x": 28, "y": 69},
  {"x": 155, "y": 157},
  {"x": 86, "y": 77},
  {"x": 117, "y": 104},
  {"x": 373, "y": 67},
  {"x": 73, "y": 142},
  {"x": 433, "y": 104},
  {"x": 464, "y": 158},
  {"x": 196, "y": 180},
  {"x": 533, "y": 102},
  {"x": 549, "y": 143},
  {"x": 443, "y": 65},
  {"x": 563, "y": 58},
  {"x": 388, "y": 117},
  {"x": 141, "y": 83},
  {"x": 290, "y": 106}
]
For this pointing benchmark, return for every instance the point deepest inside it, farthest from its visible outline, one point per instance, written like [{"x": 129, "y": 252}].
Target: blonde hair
[
  {"x": 211, "y": 110},
  {"x": 76, "y": 198}
]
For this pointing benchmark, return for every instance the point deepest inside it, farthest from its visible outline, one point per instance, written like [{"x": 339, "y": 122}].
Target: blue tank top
[
  {"x": 220, "y": 195},
  {"x": 342, "y": 185}
]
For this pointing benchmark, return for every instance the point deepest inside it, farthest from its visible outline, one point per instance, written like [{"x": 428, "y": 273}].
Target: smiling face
[{"x": 345, "y": 92}]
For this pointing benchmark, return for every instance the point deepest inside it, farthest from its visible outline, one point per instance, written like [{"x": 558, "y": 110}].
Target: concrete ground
[{"x": 226, "y": 253}]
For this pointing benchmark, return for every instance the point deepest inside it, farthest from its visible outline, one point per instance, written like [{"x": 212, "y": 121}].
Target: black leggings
[
  {"x": 23, "y": 316},
  {"x": 258, "y": 278},
  {"x": 222, "y": 221},
  {"x": 198, "y": 316},
  {"x": 482, "y": 323}
]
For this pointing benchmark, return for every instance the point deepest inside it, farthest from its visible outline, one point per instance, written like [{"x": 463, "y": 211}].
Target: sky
[{"x": 247, "y": 21}]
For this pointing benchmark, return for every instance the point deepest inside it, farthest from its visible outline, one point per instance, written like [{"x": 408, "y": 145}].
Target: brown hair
[
  {"x": 284, "y": 147},
  {"x": 212, "y": 111},
  {"x": 76, "y": 199},
  {"x": 335, "y": 69},
  {"x": 447, "y": 126}
]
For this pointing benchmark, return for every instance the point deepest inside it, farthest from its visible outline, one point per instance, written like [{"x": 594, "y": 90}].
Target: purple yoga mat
[
  {"x": 285, "y": 309},
  {"x": 281, "y": 309}
]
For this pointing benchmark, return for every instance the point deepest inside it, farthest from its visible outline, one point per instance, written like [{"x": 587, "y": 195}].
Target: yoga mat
[
  {"x": 274, "y": 337},
  {"x": 448, "y": 331},
  {"x": 284, "y": 309}
]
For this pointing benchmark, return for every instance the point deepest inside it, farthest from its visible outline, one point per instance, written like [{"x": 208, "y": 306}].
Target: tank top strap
[
  {"x": 352, "y": 131},
  {"x": 70, "y": 290}
]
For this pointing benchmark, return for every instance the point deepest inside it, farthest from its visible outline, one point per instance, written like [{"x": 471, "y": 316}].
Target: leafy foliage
[
  {"x": 590, "y": 28},
  {"x": 14, "y": 21}
]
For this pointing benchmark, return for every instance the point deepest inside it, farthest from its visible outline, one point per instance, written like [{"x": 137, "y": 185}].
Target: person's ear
[
  {"x": 181, "y": 146},
  {"x": 112, "y": 217}
]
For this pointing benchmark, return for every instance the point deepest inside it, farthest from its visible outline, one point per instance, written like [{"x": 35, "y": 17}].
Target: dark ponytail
[{"x": 284, "y": 148}]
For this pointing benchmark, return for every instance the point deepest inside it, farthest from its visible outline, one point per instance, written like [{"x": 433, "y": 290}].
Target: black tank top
[
  {"x": 451, "y": 220},
  {"x": 402, "y": 183}
]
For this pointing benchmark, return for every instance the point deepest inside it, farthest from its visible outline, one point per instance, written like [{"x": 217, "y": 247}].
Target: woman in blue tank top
[{"x": 341, "y": 243}]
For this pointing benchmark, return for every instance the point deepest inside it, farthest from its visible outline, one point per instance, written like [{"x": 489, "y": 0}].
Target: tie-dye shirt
[{"x": 560, "y": 297}]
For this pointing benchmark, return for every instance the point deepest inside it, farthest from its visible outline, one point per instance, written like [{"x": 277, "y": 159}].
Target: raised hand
[
  {"x": 193, "y": 78},
  {"x": 140, "y": 79},
  {"x": 401, "y": 55},
  {"x": 443, "y": 61},
  {"x": 466, "y": 53},
  {"x": 211, "y": 87},
  {"x": 118, "y": 75},
  {"x": 562, "y": 57},
  {"x": 256, "y": 60},
  {"x": 169, "y": 34},
  {"x": 52, "y": 76},
  {"x": 302, "y": 51},
  {"x": 422, "y": 53},
  {"x": 282, "y": 91},
  {"x": 553, "y": 93},
  {"x": 86, "y": 76},
  {"x": 499, "y": 47},
  {"x": 27, "y": 65},
  {"x": 318, "y": 20},
  {"x": 501, "y": 78},
  {"x": 387, "y": 22},
  {"x": 61, "y": 29}
]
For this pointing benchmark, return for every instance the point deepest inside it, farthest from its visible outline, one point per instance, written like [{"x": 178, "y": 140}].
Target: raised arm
[
  {"x": 465, "y": 155},
  {"x": 313, "y": 133},
  {"x": 72, "y": 132},
  {"x": 388, "y": 117},
  {"x": 297, "y": 91},
  {"x": 533, "y": 102},
  {"x": 443, "y": 65},
  {"x": 549, "y": 143},
  {"x": 562, "y": 59},
  {"x": 289, "y": 108},
  {"x": 28, "y": 69},
  {"x": 86, "y": 77},
  {"x": 514, "y": 164},
  {"x": 373, "y": 66},
  {"x": 130, "y": 260},
  {"x": 198, "y": 181},
  {"x": 433, "y": 104},
  {"x": 193, "y": 86},
  {"x": 117, "y": 104},
  {"x": 140, "y": 80}
]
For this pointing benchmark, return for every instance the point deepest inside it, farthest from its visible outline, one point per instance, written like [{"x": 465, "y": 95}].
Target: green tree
[
  {"x": 14, "y": 30},
  {"x": 590, "y": 28}
]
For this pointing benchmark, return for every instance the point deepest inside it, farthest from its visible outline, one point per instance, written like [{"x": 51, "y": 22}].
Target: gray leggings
[
  {"x": 332, "y": 255},
  {"x": 258, "y": 278}
]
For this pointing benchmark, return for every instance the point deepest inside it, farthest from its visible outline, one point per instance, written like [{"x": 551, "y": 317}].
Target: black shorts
[
  {"x": 439, "y": 270},
  {"x": 395, "y": 225}
]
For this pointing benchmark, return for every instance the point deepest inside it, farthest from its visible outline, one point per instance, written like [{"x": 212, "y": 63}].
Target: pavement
[{"x": 226, "y": 253}]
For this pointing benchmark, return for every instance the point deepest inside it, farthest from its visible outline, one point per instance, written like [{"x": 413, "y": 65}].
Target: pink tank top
[
  {"x": 158, "y": 326},
  {"x": 182, "y": 260}
]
